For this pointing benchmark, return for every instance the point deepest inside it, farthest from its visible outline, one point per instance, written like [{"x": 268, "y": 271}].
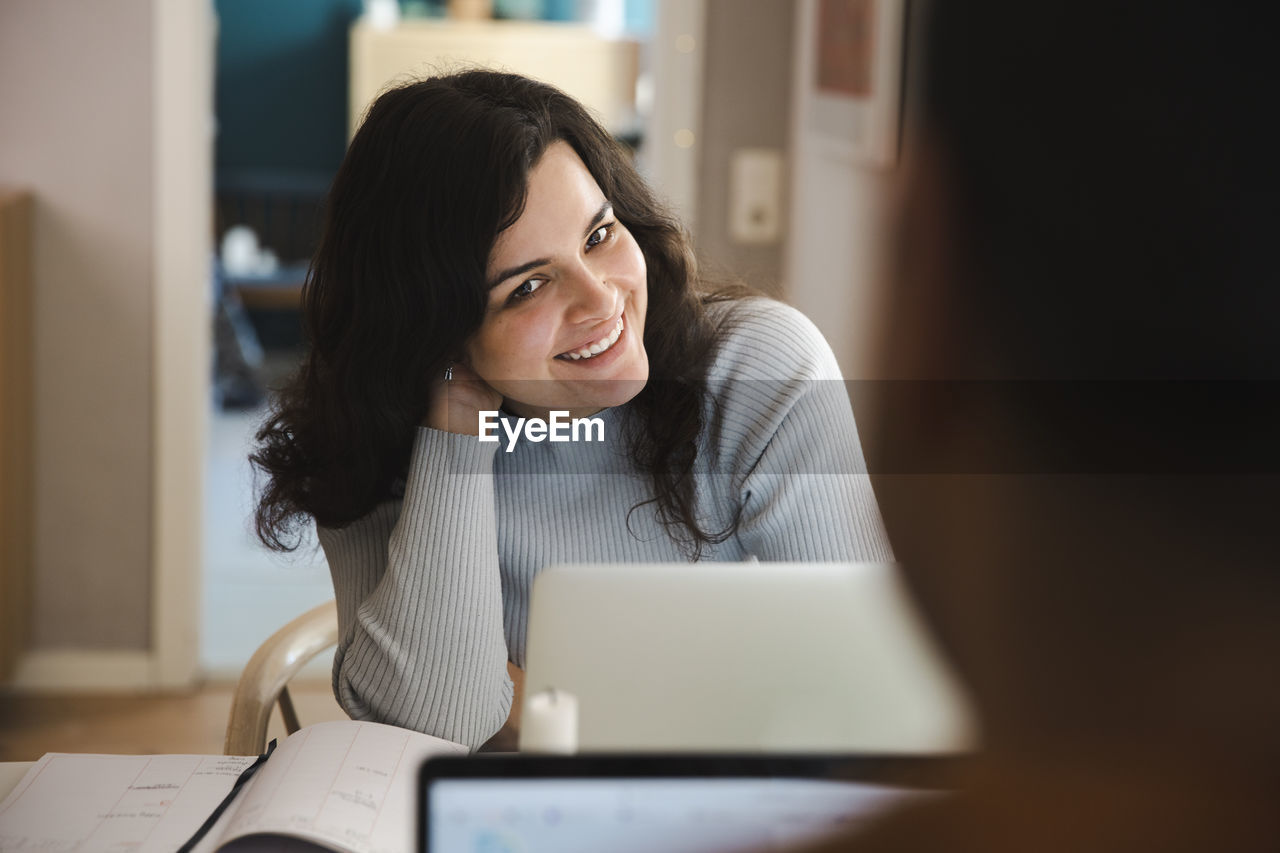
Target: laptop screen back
[{"x": 740, "y": 657}]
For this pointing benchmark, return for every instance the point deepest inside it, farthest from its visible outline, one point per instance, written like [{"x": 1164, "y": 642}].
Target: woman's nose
[{"x": 592, "y": 297}]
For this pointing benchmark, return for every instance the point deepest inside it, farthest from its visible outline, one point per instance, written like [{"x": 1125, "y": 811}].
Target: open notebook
[{"x": 347, "y": 786}]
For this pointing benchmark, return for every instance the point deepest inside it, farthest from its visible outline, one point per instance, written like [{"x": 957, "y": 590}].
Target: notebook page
[
  {"x": 140, "y": 803},
  {"x": 347, "y": 785}
]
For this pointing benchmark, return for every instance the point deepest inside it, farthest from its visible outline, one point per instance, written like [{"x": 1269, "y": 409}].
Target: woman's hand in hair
[{"x": 456, "y": 403}]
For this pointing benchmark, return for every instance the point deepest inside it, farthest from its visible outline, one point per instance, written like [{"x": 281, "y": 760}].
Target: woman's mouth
[{"x": 595, "y": 348}]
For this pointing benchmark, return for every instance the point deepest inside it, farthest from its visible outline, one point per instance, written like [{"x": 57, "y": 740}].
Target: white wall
[
  {"x": 105, "y": 110},
  {"x": 839, "y": 220},
  {"x": 76, "y": 104},
  {"x": 746, "y": 104}
]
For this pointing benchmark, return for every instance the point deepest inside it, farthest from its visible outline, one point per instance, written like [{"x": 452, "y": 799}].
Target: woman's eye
[
  {"x": 526, "y": 289},
  {"x": 599, "y": 235}
]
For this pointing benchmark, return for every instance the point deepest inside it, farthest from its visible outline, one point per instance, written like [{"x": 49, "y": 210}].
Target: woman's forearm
[{"x": 423, "y": 646}]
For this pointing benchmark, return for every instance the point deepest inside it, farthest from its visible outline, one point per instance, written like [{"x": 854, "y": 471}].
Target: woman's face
[{"x": 564, "y": 327}]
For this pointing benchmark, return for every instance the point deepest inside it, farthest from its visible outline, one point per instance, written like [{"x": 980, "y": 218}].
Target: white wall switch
[{"x": 755, "y": 195}]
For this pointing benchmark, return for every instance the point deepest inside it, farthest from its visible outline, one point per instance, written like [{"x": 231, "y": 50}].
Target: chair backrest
[{"x": 265, "y": 679}]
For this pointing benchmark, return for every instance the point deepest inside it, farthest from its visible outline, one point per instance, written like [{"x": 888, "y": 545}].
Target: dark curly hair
[{"x": 437, "y": 170}]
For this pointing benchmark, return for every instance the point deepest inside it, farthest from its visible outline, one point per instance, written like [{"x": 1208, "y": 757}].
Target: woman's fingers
[{"x": 456, "y": 403}]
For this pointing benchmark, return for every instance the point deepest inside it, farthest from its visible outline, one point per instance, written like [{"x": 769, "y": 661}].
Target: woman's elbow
[{"x": 470, "y": 718}]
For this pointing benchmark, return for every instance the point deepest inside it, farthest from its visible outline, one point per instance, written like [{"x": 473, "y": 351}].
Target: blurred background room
[{"x": 163, "y": 167}]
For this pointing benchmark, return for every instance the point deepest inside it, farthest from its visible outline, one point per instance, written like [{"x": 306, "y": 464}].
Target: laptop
[
  {"x": 743, "y": 657},
  {"x": 676, "y": 803}
]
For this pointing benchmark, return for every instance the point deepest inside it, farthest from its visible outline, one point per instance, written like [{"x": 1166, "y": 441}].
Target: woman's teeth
[{"x": 596, "y": 348}]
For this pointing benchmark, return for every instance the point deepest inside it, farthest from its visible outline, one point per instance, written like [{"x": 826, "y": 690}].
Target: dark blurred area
[{"x": 1085, "y": 291}]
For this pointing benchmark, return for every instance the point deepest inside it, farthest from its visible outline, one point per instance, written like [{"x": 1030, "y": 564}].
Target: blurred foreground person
[{"x": 1088, "y": 226}]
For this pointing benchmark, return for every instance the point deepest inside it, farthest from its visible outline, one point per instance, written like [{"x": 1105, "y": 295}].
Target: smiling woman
[
  {"x": 490, "y": 248},
  {"x": 565, "y": 329}
]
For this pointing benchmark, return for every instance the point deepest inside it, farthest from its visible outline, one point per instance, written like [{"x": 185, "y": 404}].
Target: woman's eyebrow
[
  {"x": 605, "y": 210},
  {"x": 523, "y": 268}
]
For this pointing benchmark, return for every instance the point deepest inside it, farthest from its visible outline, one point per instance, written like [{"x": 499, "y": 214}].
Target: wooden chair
[{"x": 264, "y": 682}]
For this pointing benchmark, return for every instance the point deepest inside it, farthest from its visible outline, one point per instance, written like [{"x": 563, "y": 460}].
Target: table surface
[{"x": 11, "y": 773}]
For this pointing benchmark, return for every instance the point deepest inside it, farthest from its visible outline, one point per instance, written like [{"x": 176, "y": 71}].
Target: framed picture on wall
[{"x": 852, "y": 92}]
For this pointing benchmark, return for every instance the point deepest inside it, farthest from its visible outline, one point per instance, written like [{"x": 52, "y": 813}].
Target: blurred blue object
[
  {"x": 640, "y": 17},
  {"x": 522, "y": 10},
  {"x": 423, "y": 8},
  {"x": 560, "y": 10}
]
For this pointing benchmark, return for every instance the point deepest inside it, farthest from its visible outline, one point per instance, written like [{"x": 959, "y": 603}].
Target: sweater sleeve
[
  {"x": 801, "y": 479},
  {"x": 420, "y": 600}
]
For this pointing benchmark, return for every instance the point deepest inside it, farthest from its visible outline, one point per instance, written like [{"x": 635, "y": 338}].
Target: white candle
[{"x": 550, "y": 722}]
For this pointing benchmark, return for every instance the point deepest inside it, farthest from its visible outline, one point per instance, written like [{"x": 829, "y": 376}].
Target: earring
[{"x": 448, "y": 373}]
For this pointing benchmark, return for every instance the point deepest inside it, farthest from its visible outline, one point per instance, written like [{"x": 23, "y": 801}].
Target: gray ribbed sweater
[{"x": 433, "y": 590}]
